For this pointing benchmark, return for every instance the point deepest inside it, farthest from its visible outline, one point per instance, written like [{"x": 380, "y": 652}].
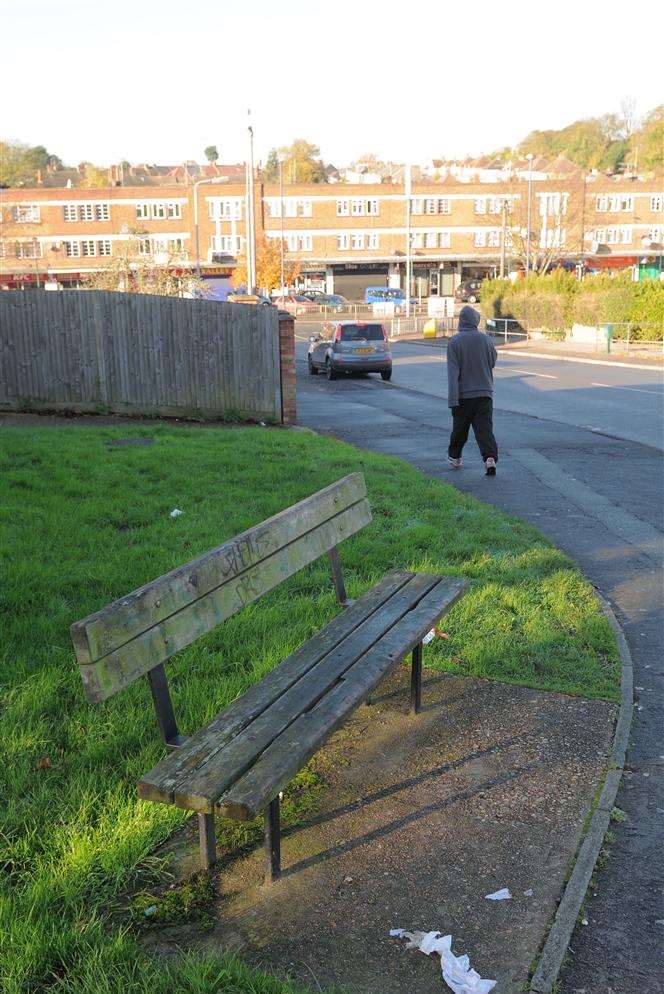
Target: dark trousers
[{"x": 478, "y": 412}]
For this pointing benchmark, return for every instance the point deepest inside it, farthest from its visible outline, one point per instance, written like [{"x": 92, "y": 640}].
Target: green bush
[{"x": 556, "y": 301}]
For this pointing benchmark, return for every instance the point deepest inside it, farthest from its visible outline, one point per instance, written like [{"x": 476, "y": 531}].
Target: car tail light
[{"x": 337, "y": 334}]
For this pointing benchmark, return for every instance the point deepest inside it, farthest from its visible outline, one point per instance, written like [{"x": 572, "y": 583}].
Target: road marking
[
  {"x": 612, "y": 386},
  {"x": 529, "y": 372},
  {"x": 579, "y": 359},
  {"x": 619, "y": 522}
]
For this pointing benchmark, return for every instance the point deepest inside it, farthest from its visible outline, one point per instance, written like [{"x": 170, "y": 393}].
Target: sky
[{"x": 157, "y": 80}]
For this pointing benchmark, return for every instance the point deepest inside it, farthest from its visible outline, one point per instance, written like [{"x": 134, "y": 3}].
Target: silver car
[{"x": 350, "y": 347}]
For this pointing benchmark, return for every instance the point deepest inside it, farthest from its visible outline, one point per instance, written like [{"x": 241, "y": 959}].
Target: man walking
[{"x": 471, "y": 356}]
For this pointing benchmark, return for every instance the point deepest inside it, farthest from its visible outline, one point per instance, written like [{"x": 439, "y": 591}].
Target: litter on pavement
[
  {"x": 457, "y": 971},
  {"x": 499, "y": 895}
]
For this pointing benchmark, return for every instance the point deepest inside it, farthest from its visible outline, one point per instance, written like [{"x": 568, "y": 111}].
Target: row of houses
[{"x": 344, "y": 237}]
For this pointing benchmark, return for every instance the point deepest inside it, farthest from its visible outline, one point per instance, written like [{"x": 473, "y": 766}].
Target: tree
[
  {"x": 132, "y": 271},
  {"x": 211, "y": 153},
  {"x": 647, "y": 143},
  {"x": 93, "y": 177},
  {"x": 268, "y": 267},
  {"x": 19, "y": 163},
  {"x": 556, "y": 226},
  {"x": 301, "y": 163}
]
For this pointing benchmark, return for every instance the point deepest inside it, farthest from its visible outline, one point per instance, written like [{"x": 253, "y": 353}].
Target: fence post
[{"x": 287, "y": 367}]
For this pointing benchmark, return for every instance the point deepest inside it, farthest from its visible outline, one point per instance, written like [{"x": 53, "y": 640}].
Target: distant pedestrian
[{"x": 471, "y": 356}]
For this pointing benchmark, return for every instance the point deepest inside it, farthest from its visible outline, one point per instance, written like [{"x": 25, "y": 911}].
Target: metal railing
[{"x": 625, "y": 336}]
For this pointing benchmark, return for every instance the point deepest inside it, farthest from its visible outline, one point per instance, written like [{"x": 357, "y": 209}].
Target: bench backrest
[{"x": 133, "y": 635}]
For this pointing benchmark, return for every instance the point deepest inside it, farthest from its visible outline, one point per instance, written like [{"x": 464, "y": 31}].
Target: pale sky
[{"x": 159, "y": 80}]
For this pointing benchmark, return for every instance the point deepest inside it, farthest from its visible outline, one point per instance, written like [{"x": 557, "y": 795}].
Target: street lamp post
[
  {"x": 251, "y": 235},
  {"x": 280, "y": 157},
  {"x": 200, "y": 182},
  {"x": 530, "y": 187},
  {"x": 408, "y": 191},
  {"x": 503, "y": 239}
]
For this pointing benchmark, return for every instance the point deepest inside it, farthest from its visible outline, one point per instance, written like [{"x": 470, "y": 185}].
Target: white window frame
[
  {"x": 86, "y": 212},
  {"x": 144, "y": 246},
  {"x": 26, "y": 214},
  {"x": 159, "y": 212},
  {"x": 358, "y": 207},
  {"x": 493, "y": 239},
  {"x": 444, "y": 239},
  {"x": 31, "y": 249},
  {"x": 102, "y": 212},
  {"x": 343, "y": 242},
  {"x": 143, "y": 212},
  {"x": 290, "y": 207},
  {"x": 417, "y": 205},
  {"x": 273, "y": 207},
  {"x": 657, "y": 203},
  {"x": 431, "y": 239},
  {"x": 72, "y": 249},
  {"x": 602, "y": 203},
  {"x": 619, "y": 235},
  {"x": 174, "y": 212},
  {"x": 105, "y": 247},
  {"x": 373, "y": 207},
  {"x": 88, "y": 248},
  {"x": 479, "y": 239},
  {"x": 372, "y": 240},
  {"x": 70, "y": 212},
  {"x": 291, "y": 243},
  {"x": 304, "y": 208},
  {"x": 417, "y": 239},
  {"x": 357, "y": 241},
  {"x": 444, "y": 205},
  {"x": 479, "y": 205},
  {"x": 343, "y": 208},
  {"x": 304, "y": 243},
  {"x": 431, "y": 205},
  {"x": 655, "y": 235}
]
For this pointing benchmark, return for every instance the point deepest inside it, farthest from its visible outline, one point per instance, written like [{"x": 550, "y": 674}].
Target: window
[
  {"x": 372, "y": 207},
  {"x": 175, "y": 245},
  {"x": 494, "y": 238},
  {"x": 553, "y": 203},
  {"x": 159, "y": 246},
  {"x": 26, "y": 213},
  {"x": 142, "y": 212},
  {"x": 304, "y": 243},
  {"x": 72, "y": 249},
  {"x": 290, "y": 207},
  {"x": 227, "y": 209},
  {"x": 417, "y": 240},
  {"x": 358, "y": 207},
  {"x": 102, "y": 211},
  {"x": 416, "y": 205},
  {"x": 444, "y": 239},
  {"x": 226, "y": 244},
  {"x": 431, "y": 239},
  {"x": 496, "y": 204},
  {"x": 600, "y": 236},
  {"x": 70, "y": 212},
  {"x": 437, "y": 205},
  {"x": 174, "y": 211},
  {"x": 105, "y": 247},
  {"x": 343, "y": 242},
  {"x": 144, "y": 246},
  {"x": 552, "y": 238},
  {"x": 159, "y": 212},
  {"x": 480, "y": 239},
  {"x": 372, "y": 240},
  {"x": 602, "y": 204},
  {"x": 655, "y": 235},
  {"x": 273, "y": 207},
  {"x": 618, "y": 236},
  {"x": 430, "y": 206},
  {"x": 343, "y": 208},
  {"x": 28, "y": 250},
  {"x": 291, "y": 242},
  {"x": 480, "y": 206},
  {"x": 444, "y": 206},
  {"x": 357, "y": 241},
  {"x": 304, "y": 208},
  {"x": 87, "y": 212},
  {"x": 657, "y": 202},
  {"x": 89, "y": 248},
  {"x": 618, "y": 202}
]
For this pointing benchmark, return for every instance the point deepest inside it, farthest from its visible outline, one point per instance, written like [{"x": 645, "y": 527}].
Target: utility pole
[
  {"x": 251, "y": 233},
  {"x": 530, "y": 187},
  {"x": 503, "y": 238},
  {"x": 409, "y": 264}
]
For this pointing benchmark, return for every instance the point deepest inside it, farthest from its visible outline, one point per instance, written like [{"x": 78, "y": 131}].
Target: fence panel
[{"x": 85, "y": 351}]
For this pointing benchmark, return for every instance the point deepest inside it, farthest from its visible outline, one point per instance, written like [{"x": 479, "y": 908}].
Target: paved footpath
[{"x": 600, "y": 499}]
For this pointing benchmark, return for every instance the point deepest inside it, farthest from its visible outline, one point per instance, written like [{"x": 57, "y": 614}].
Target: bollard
[{"x": 608, "y": 329}]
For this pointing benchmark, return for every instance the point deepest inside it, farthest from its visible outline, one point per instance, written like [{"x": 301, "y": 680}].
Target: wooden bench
[{"x": 241, "y": 760}]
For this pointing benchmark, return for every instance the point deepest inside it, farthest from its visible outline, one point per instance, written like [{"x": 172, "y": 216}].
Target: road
[{"x": 580, "y": 459}]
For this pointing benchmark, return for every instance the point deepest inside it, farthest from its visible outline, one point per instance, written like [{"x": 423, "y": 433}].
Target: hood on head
[{"x": 469, "y": 318}]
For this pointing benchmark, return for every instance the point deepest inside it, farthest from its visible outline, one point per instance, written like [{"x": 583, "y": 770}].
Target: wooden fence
[{"x": 96, "y": 351}]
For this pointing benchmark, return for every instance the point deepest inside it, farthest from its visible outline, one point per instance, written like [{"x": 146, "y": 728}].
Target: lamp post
[
  {"x": 408, "y": 191},
  {"x": 530, "y": 187},
  {"x": 281, "y": 157},
  {"x": 251, "y": 236},
  {"x": 200, "y": 182},
  {"x": 503, "y": 238}
]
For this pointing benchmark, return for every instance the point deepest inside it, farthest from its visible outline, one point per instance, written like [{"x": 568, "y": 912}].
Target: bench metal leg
[
  {"x": 207, "y": 840},
  {"x": 272, "y": 841},
  {"x": 416, "y": 679}
]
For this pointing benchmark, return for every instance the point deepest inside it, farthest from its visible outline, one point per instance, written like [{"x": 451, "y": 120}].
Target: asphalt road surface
[{"x": 580, "y": 458}]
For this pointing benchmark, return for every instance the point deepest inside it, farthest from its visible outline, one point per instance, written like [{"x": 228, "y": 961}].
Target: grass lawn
[{"x": 83, "y": 522}]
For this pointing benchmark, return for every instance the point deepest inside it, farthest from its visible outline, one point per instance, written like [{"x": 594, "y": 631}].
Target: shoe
[
  {"x": 455, "y": 463},
  {"x": 490, "y": 466}
]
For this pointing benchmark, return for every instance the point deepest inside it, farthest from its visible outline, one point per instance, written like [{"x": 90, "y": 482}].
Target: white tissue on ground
[
  {"x": 499, "y": 895},
  {"x": 429, "y": 637},
  {"x": 176, "y": 512},
  {"x": 457, "y": 972}
]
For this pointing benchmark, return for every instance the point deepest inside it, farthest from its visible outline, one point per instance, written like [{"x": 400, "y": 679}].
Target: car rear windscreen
[{"x": 362, "y": 333}]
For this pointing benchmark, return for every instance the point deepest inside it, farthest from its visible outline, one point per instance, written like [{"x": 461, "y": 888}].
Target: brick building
[{"x": 345, "y": 236}]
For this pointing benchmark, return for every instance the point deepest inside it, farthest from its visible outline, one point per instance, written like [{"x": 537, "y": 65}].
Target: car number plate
[{"x": 364, "y": 351}]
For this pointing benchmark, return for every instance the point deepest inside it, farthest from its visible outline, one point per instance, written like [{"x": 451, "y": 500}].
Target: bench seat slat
[
  {"x": 107, "y": 675},
  {"x": 290, "y": 751},
  {"x": 201, "y": 788},
  {"x": 159, "y": 783}
]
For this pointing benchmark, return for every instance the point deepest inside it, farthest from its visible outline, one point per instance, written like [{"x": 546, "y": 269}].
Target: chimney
[{"x": 40, "y": 178}]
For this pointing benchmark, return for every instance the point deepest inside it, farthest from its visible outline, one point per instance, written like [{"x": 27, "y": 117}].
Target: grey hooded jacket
[{"x": 471, "y": 356}]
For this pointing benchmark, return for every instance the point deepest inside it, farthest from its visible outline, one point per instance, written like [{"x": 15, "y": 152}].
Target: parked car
[
  {"x": 294, "y": 303},
  {"x": 313, "y": 295},
  {"x": 387, "y": 295},
  {"x": 468, "y": 291},
  {"x": 350, "y": 347},
  {"x": 248, "y": 298}
]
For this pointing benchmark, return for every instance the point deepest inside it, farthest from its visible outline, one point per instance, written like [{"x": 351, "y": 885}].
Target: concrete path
[{"x": 600, "y": 499}]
